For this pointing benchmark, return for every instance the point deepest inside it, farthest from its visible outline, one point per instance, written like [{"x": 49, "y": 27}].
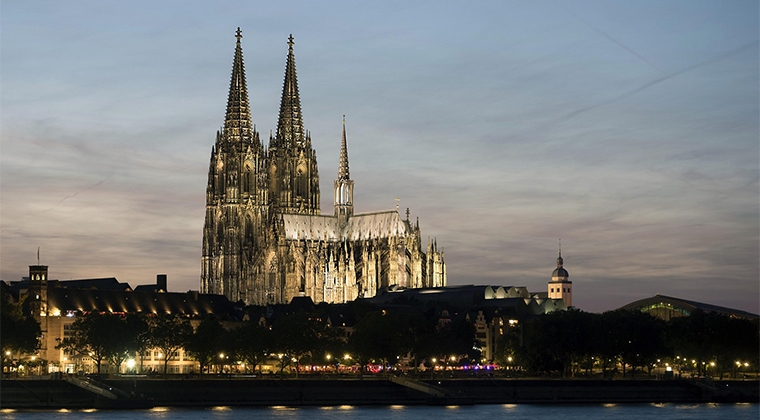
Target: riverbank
[{"x": 142, "y": 392}]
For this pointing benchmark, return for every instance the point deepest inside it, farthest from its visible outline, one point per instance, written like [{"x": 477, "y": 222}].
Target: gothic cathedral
[{"x": 265, "y": 240}]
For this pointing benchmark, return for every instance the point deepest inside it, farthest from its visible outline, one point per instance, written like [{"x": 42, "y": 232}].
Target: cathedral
[{"x": 265, "y": 239}]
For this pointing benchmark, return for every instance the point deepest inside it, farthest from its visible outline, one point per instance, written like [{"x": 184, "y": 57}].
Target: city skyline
[{"x": 628, "y": 130}]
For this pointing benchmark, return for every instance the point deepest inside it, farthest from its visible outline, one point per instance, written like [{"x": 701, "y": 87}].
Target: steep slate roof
[
  {"x": 190, "y": 303},
  {"x": 105, "y": 283},
  {"x": 382, "y": 224}
]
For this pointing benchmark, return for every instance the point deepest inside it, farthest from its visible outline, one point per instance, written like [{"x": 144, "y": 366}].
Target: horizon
[{"x": 630, "y": 131}]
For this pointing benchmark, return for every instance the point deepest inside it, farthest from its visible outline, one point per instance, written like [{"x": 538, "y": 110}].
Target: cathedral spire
[
  {"x": 290, "y": 124},
  {"x": 344, "y": 186},
  {"x": 237, "y": 121},
  {"x": 343, "y": 173}
]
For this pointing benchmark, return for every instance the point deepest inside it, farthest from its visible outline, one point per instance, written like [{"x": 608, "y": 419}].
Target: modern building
[
  {"x": 667, "y": 307},
  {"x": 265, "y": 239}
]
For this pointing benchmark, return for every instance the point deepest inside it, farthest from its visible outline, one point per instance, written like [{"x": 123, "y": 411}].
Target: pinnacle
[{"x": 343, "y": 173}]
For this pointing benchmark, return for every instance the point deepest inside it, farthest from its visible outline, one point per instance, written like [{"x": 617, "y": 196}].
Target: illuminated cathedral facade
[{"x": 265, "y": 239}]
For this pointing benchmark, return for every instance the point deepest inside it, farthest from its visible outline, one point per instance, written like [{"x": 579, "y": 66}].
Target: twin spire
[
  {"x": 290, "y": 129},
  {"x": 237, "y": 121}
]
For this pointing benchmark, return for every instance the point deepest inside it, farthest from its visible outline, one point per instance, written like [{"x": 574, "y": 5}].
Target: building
[
  {"x": 560, "y": 287},
  {"x": 667, "y": 308},
  {"x": 265, "y": 239},
  {"x": 57, "y": 304}
]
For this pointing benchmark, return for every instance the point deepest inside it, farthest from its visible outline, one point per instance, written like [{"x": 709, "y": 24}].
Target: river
[{"x": 480, "y": 412}]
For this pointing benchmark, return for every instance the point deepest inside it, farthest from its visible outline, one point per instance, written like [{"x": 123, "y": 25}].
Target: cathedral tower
[
  {"x": 293, "y": 176},
  {"x": 344, "y": 185},
  {"x": 236, "y": 195}
]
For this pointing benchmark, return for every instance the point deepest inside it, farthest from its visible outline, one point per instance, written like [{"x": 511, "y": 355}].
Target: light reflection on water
[{"x": 401, "y": 412}]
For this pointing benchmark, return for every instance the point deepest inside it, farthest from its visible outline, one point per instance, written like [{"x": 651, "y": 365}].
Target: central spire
[
  {"x": 343, "y": 167},
  {"x": 290, "y": 129},
  {"x": 237, "y": 121}
]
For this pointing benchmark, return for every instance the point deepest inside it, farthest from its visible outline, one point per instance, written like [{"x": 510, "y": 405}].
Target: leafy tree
[
  {"x": 710, "y": 337},
  {"x": 252, "y": 343},
  {"x": 507, "y": 344},
  {"x": 298, "y": 336},
  {"x": 168, "y": 333},
  {"x": 558, "y": 341},
  {"x": 606, "y": 339},
  {"x": 454, "y": 338},
  {"x": 418, "y": 335},
  {"x": 19, "y": 333},
  {"x": 102, "y": 336},
  {"x": 139, "y": 335},
  {"x": 642, "y": 341},
  {"x": 377, "y": 336},
  {"x": 206, "y": 342}
]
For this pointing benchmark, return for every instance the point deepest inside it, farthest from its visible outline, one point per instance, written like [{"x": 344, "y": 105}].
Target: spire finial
[
  {"x": 291, "y": 42},
  {"x": 560, "y": 247},
  {"x": 397, "y": 200},
  {"x": 238, "y": 34}
]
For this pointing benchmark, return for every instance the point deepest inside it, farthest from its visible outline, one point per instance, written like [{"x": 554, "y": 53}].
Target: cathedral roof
[{"x": 382, "y": 224}]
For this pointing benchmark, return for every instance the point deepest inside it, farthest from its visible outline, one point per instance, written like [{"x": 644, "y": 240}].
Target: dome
[{"x": 560, "y": 272}]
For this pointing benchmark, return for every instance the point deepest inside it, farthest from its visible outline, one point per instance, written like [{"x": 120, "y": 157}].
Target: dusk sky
[{"x": 629, "y": 129}]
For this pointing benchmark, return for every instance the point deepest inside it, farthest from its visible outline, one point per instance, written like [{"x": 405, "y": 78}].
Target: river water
[{"x": 479, "y": 412}]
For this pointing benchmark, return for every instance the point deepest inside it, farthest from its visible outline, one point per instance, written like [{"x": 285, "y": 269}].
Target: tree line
[
  {"x": 292, "y": 339},
  {"x": 569, "y": 342},
  {"x": 572, "y": 342}
]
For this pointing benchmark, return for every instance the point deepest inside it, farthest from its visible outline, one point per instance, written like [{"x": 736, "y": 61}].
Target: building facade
[
  {"x": 265, "y": 239},
  {"x": 57, "y": 304}
]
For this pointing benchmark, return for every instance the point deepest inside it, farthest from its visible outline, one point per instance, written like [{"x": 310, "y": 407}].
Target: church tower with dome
[{"x": 560, "y": 287}]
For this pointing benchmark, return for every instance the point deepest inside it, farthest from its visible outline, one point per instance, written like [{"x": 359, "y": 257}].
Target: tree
[
  {"x": 139, "y": 333},
  {"x": 711, "y": 337},
  {"x": 298, "y": 336},
  {"x": 205, "y": 343},
  {"x": 454, "y": 338},
  {"x": 377, "y": 336},
  {"x": 168, "y": 333},
  {"x": 19, "y": 333},
  {"x": 102, "y": 336},
  {"x": 557, "y": 341},
  {"x": 642, "y": 341},
  {"x": 251, "y": 343}
]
